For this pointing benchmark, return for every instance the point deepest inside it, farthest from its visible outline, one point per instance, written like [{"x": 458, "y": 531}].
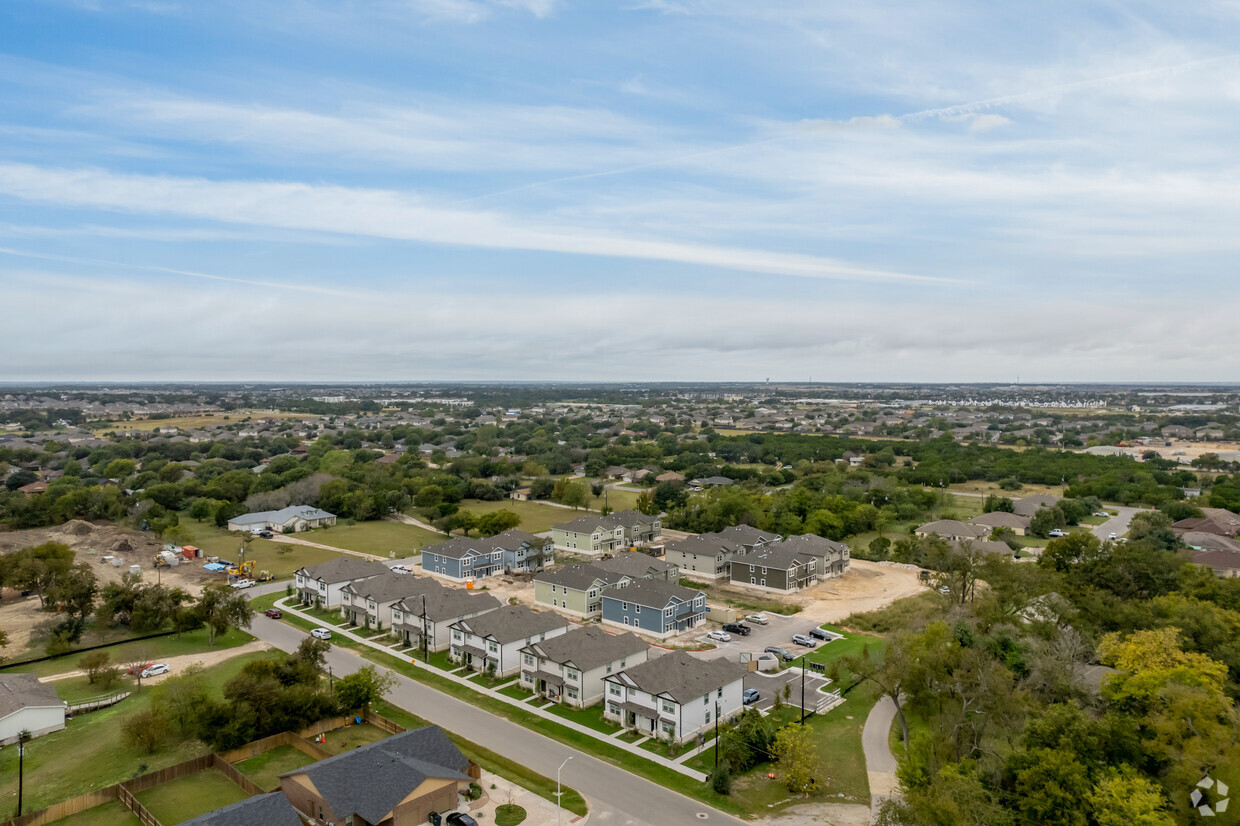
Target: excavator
[{"x": 246, "y": 570}]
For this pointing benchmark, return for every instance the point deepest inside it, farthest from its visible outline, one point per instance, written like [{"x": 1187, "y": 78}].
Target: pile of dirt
[
  {"x": 76, "y": 527},
  {"x": 123, "y": 547}
]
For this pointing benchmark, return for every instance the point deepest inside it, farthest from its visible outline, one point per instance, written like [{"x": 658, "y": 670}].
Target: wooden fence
[
  {"x": 228, "y": 770},
  {"x": 131, "y": 802},
  {"x": 284, "y": 738},
  {"x": 67, "y": 807}
]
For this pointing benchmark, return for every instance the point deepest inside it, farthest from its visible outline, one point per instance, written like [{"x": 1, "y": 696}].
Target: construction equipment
[
  {"x": 165, "y": 559},
  {"x": 245, "y": 569},
  {"x": 264, "y": 576},
  {"x": 159, "y": 561}
]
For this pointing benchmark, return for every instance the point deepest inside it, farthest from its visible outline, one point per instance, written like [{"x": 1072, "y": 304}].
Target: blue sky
[{"x": 657, "y": 190}]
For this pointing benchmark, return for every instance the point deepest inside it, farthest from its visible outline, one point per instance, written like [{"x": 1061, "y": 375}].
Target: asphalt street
[{"x": 614, "y": 795}]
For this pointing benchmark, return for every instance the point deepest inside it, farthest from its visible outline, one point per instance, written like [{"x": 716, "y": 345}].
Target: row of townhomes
[
  {"x": 595, "y": 534},
  {"x": 492, "y": 642},
  {"x": 676, "y": 696},
  {"x": 746, "y": 556},
  {"x": 511, "y": 552},
  {"x": 570, "y": 668}
]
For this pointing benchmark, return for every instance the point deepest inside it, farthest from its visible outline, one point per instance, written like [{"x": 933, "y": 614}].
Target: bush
[
  {"x": 721, "y": 779},
  {"x": 475, "y": 791}
]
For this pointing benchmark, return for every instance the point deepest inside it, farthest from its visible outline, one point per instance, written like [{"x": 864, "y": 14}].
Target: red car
[
  {"x": 274, "y": 613},
  {"x": 138, "y": 669}
]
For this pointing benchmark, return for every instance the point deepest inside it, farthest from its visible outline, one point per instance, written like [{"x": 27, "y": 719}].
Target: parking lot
[
  {"x": 768, "y": 684},
  {"x": 778, "y": 631}
]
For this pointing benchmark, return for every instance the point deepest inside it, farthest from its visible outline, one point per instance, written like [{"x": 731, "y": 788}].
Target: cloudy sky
[{"x": 641, "y": 190}]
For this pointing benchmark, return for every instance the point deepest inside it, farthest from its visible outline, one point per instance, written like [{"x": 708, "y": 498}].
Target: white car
[
  {"x": 321, "y": 633},
  {"x": 1113, "y": 535},
  {"x": 401, "y": 569},
  {"x": 1057, "y": 532},
  {"x": 1101, "y": 513},
  {"x": 722, "y": 636},
  {"x": 155, "y": 670},
  {"x": 757, "y": 619},
  {"x": 243, "y": 583}
]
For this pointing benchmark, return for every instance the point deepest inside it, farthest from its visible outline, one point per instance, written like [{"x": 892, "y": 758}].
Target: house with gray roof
[
  {"x": 368, "y": 602},
  {"x": 462, "y": 558},
  {"x": 779, "y": 566},
  {"x": 293, "y": 519},
  {"x": 396, "y": 781},
  {"x": 321, "y": 584},
  {"x": 953, "y": 529},
  {"x": 706, "y": 556},
  {"x": 523, "y": 553},
  {"x": 710, "y": 482},
  {"x": 597, "y": 534},
  {"x": 653, "y": 606},
  {"x": 1018, "y": 523},
  {"x": 492, "y": 641},
  {"x": 832, "y": 559},
  {"x": 26, "y": 704},
  {"x": 638, "y": 565},
  {"x": 432, "y": 613},
  {"x": 570, "y": 668},
  {"x": 272, "y": 809},
  {"x": 1030, "y": 505},
  {"x": 576, "y": 589},
  {"x": 676, "y": 696}
]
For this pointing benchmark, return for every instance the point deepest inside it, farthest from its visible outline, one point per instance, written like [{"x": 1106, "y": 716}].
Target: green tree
[
  {"x": 363, "y": 687},
  {"x": 180, "y": 696},
  {"x": 1124, "y": 798},
  {"x": 798, "y": 759},
  {"x": 496, "y": 522},
  {"x": 144, "y": 730},
  {"x": 222, "y": 608}
]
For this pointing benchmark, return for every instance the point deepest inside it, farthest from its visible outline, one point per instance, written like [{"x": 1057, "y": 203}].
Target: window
[
  {"x": 613, "y": 709},
  {"x": 720, "y": 694},
  {"x": 609, "y": 668},
  {"x": 626, "y": 620},
  {"x": 529, "y": 660},
  {"x": 669, "y": 728},
  {"x": 613, "y": 690},
  {"x": 572, "y": 675},
  {"x": 706, "y": 700},
  {"x": 669, "y": 707},
  {"x": 708, "y": 715},
  {"x": 624, "y": 606},
  {"x": 572, "y": 693},
  {"x": 753, "y": 580},
  {"x": 637, "y": 609}
]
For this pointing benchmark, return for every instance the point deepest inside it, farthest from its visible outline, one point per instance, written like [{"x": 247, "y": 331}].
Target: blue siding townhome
[
  {"x": 464, "y": 558},
  {"x": 653, "y": 606}
]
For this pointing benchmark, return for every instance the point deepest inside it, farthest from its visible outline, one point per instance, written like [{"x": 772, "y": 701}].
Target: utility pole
[
  {"x": 331, "y": 682},
  {"x": 22, "y": 737},
  {"x": 803, "y": 688},
  {"x": 716, "y": 736},
  {"x": 426, "y": 656}
]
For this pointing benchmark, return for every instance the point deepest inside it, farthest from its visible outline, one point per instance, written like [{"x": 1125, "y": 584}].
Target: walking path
[
  {"x": 293, "y": 540},
  {"x": 602, "y": 737},
  {"x": 880, "y": 763}
]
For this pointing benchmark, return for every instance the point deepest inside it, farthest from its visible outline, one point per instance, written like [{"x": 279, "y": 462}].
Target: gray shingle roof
[
  {"x": 18, "y": 691},
  {"x": 372, "y": 779},
  {"x": 610, "y": 522},
  {"x": 637, "y": 565},
  {"x": 512, "y": 539},
  {"x": 458, "y": 547},
  {"x": 449, "y": 603},
  {"x": 781, "y": 555},
  {"x": 388, "y": 587},
  {"x": 281, "y": 516},
  {"x": 513, "y": 622},
  {"x": 652, "y": 593},
  {"x": 681, "y": 676},
  {"x": 578, "y": 576},
  {"x": 588, "y": 647},
  {"x": 268, "y": 809},
  {"x": 344, "y": 568}
]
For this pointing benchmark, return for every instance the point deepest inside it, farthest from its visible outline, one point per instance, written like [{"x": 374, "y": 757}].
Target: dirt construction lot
[{"x": 91, "y": 543}]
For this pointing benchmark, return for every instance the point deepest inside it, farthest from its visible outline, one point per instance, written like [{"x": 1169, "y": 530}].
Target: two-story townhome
[
  {"x": 706, "y": 556},
  {"x": 492, "y": 642},
  {"x": 831, "y": 559},
  {"x": 570, "y": 668},
  {"x": 368, "y": 602},
  {"x": 576, "y": 589},
  {"x": 523, "y": 552},
  {"x": 637, "y": 565},
  {"x": 605, "y": 534},
  {"x": 777, "y": 567},
  {"x": 676, "y": 696},
  {"x": 320, "y": 584},
  {"x": 655, "y": 607},
  {"x": 463, "y": 558},
  {"x": 434, "y": 612}
]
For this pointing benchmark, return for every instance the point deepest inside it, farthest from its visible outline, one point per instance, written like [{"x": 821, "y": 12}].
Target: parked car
[
  {"x": 1101, "y": 513},
  {"x": 243, "y": 583},
  {"x": 737, "y": 628},
  {"x": 1057, "y": 532},
  {"x": 805, "y": 640},
  {"x": 722, "y": 636},
  {"x": 750, "y": 696},
  {"x": 321, "y": 633},
  {"x": 266, "y": 535},
  {"x": 460, "y": 819},
  {"x": 822, "y": 634},
  {"x": 138, "y": 669},
  {"x": 1113, "y": 535},
  {"x": 155, "y": 670},
  {"x": 401, "y": 569},
  {"x": 274, "y": 613},
  {"x": 783, "y": 653},
  {"x": 757, "y": 619}
]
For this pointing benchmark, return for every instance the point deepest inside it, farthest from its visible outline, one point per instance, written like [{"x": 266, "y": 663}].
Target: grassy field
[
  {"x": 109, "y": 814},
  {"x": 191, "y": 642},
  {"x": 1027, "y": 489},
  {"x": 192, "y": 422},
  {"x": 266, "y": 768},
  {"x": 90, "y": 753},
  {"x": 378, "y": 538},
  {"x": 535, "y": 516},
  {"x": 185, "y": 799},
  {"x": 269, "y": 555},
  {"x": 350, "y": 737}
]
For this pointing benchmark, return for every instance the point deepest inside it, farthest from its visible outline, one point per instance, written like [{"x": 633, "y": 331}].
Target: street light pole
[
  {"x": 426, "y": 657},
  {"x": 803, "y": 688},
  {"x": 559, "y": 800},
  {"x": 22, "y": 737},
  {"x": 716, "y": 735}
]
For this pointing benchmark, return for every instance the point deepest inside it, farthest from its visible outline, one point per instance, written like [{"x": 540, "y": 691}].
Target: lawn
[
  {"x": 191, "y": 642},
  {"x": 394, "y": 540},
  {"x": 185, "y": 799},
  {"x": 266, "y": 768},
  {"x": 590, "y": 717},
  {"x": 350, "y": 737},
  {"x": 536, "y": 517},
  {"x": 281, "y": 559},
  {"x": 77, "y": 689},
  {"x": 978, "y": 486},
  {"x": 90, "y": 754},
  {"x": 509, "y": 814},
  {"x": 108, "y": 814}
]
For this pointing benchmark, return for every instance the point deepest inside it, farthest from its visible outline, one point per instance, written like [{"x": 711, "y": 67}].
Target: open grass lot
[
  {"x": 108, "y": 814},
  {"x": 191, "y": 642},
  {"x": 536, "y": 517},
  {"x": 185, "y": 799},
  {"x": 977, "y": 486},
  {"x": 617, "y": 500},
  {"x": 190, "y": 422},
  {"x": 282, "y": 559},
  {"x": 266, "y": 768},
  {"x": 90, "y": 753},
  {"x": 350, "y": 737},
  {"x": 77, "y": 689},
  {"x": 379, "y": 538}
]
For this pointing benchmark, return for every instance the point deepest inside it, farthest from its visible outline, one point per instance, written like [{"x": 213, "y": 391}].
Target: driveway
[
  {"x": 769, "y": 684},
  {"x": 1116, "y": 524},
  {"x": 615, "y": 796}
]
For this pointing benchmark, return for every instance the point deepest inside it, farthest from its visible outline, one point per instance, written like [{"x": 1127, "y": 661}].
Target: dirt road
[
  {"x": 179, "y": 663},
  {"x": 868, "y": 586}
]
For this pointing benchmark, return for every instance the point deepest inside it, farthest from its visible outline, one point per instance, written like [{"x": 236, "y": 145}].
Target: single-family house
[
  {"x": 432, "y": 613},
  {"x": 570, "y": 668},
  {"x": 1030, "y": 505},
  {"x": 576, "y": 589},
  {"x": 396, "y": 781},
  {"x": 1177, "y": 431},
  {"x": 293, "y": 519},
  {"x": 321, "y": 584},
  {"x": 521, "y": 494},
  {"x": 1213, "y": 520},
  {"x": 710, "y": 482},
  {"x": 1224, "y": 563},
  {"x": 676, "y": 696},
  {"x": 775, "y": 567},
  {"x": 605, "y": 534},
  {"x": 953, "y": 529},
  {"x": 492, "y": 641},
  {"x": 271, "y": 809},
  {"x": 654, "y": 607},
  {"x": 706, "y": 555},
  {"x": 368, "y": 602},
  {"x": 670, "y": 476},
  {"x": 26, "y": 704},
  {"x": 1017, "y": 523}
]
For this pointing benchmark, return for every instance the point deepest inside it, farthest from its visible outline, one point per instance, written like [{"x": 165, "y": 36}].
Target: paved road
[
  {"x": 880, "y": 763},
  {"x": 615, "y": 796},
  {"x": 1116, "y": 524}
]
